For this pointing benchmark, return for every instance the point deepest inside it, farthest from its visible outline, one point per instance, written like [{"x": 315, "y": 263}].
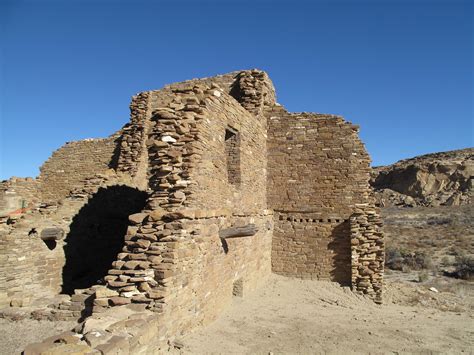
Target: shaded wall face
[
  {"x": 96, "y": 235},
  {"x": 317, "y": 171},
  {"x": 311, "y": 247}
]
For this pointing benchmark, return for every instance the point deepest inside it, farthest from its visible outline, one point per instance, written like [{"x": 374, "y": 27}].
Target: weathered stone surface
[
  {"x": 97, "y": 337},
  {"x": 119, "y": 301},
  {"x": 116, "y": 345},
  {"x": 36, "y": 348},
  {"x": 214, "y": 154},
  {"x": 137, "y": 217},
  {"x": 429, "y": 180},
  {"x": 104, "y": 292}
]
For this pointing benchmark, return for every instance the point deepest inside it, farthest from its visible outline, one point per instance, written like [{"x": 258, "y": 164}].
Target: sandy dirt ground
[
  {"x": 15, "y": 335},
  {"x": 290, "y": 316}
]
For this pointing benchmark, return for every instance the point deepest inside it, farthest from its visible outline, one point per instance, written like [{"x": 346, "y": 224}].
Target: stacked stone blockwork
[{"x": 227, "y": 187}]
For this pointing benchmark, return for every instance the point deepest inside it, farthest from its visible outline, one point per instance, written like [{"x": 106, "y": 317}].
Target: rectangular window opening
[{"x": 232, "y": 151}]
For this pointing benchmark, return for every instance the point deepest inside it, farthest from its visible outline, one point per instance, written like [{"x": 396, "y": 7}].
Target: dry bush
[
  {"x": 423, "y": 276},
  {"x": 404, "y": 260},
  {"x": 464, "y": 267}
]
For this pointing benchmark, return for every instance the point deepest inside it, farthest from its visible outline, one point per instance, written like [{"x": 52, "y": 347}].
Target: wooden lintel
[{"x": 236, "y": 232}]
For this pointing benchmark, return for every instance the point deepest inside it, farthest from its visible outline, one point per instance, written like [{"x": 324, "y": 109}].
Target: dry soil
[
  {"x": 290, "y": 316},
  {"x": 15, "y": 335}
]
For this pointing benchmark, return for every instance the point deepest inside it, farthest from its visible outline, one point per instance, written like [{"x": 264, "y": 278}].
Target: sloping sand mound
[{"x": 302, "y": 316}]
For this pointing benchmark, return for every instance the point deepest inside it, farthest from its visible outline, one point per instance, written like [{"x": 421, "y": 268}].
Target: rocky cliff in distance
[{"x": 438, "y": 179}]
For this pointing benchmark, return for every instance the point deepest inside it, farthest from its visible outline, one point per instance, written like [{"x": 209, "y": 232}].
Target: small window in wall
[{"x": 232, "y": 152}]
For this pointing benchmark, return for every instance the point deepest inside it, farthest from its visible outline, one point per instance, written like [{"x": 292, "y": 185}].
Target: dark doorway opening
[
  {"x": 340, "y": 246},
  {"x": 97, "y": 235}
]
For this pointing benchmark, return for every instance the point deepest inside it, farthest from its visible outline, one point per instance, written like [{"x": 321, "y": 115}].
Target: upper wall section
[
  {"x": 232, "y": 170},
  {"x": 71, "y": 164},
  {"x": 132, "y": 159},
  {"x": 205, "y": 151},
  {"x": 253, "y": 89},
  {"x": 127, "y": 151},
  {"x": 316, "y": 163}
]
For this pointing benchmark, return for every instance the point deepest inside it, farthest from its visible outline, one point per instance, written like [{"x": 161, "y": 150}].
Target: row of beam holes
[{"x": 310, "y": 220}]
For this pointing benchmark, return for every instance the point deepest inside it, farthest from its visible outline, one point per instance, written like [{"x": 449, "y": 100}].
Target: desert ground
[
  {"x": 16, "y": 334},
  {"x": 426, "y": 308},
  {"x": 290, "y": 316}
]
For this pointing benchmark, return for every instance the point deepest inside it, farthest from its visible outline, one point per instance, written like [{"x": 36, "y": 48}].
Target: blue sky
[{"x": 403, "y": 70}]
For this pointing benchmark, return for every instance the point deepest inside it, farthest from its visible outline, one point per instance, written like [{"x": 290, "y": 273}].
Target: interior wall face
[
  {"x": 311, "y": 247},
  {"x": 318, "y": 170},
  {"x": 30, "y": 268},
  {"x": 93, "y": 230},
  {"x": 96, "y": 235}
]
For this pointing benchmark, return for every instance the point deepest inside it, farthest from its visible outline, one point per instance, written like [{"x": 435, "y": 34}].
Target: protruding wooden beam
[
  {"x": 236, "y": 232},
  {"x": 54, "y": 233}
]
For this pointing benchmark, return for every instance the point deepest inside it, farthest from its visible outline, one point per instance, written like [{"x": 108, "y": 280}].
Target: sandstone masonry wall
[
  {"x": 18, "y": 194},
  {"x": 71, "y": 164},
  {"x": 223, "y": 267},
  {"x": 133, "y": 158},
  {"x": 312, "y": 246},
  {"x": 316, "y": 163},
  {"x": 213, "y": 155},
  {"x": 318, "y": 170},
  {"x": 33, "y": 268},
  {"x": 367, "y": 252},
  {"x": 173, "y": 260},
  {"x": 29, "y": 269},
  {"x": 253, "y": 89}
]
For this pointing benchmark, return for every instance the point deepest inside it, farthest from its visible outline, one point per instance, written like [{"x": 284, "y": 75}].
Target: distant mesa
[{"x": 438, "y": 179}]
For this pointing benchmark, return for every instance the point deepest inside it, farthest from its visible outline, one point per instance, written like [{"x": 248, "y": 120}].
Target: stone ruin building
[{"x": 209, "y": 188}]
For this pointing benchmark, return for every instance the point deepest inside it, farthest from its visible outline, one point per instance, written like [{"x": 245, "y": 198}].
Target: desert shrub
[
  {"x": 438, "y": 221},
  {"x": 421, "y": 260},
  {"x": 464, "y": 267},
  {"x": 423, "y": 276},
  {"x": 446, "y": 261},
  {"x": 455, "y": 251},
  {"x": 403, "y": 260},
  {"x": 394, "y": 258}
]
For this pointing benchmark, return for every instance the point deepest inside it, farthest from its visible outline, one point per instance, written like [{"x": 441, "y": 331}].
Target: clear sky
[{"x": 402, "y": 70}]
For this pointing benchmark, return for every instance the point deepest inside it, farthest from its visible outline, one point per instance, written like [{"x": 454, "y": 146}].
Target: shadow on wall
[
  {"x": 97, "y": 235},
  {"x": 116, "y": 153},
  {"x": 341, "y": 248}
]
